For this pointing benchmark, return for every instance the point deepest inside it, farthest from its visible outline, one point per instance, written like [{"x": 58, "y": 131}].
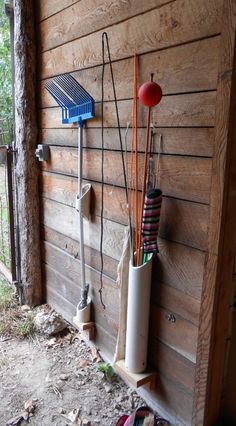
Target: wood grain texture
[
  {"x": 5, "y": 272},
  {"x": 188, "y": 68},
  {"x": 183, "y": 229},
  {"x": 58, "y": 216},
  {"x": 186, "y": 110},
  {"x": 218, "y": 272},
  {"x": 172, "y": 365},
  {"x": 171, "y": 401},
  {"x": 228, "y": 408},
  {"x": 181, "y": 70},
  {"x": 177, "y": 301},
  {"x": 69, "y": 290},
  {"x": 46, "y": 8},
  {"x": 69, "y": 266},
  {"x": 72, "y": 247},
  {"x": 104, "y": 341},
  {"x": 175, "y": 23},
  {"x": 180, "y": 267},
  {"x": 189, "y": 219},
  {"x": 180, "y": 177},
  {"x": 182, "y": 141},
  {"x": 180, "y": 335},
  {"x": 25, "y": 164},
  {"x": 88, "y": 16},
  {"x": 188, "y": 225}
]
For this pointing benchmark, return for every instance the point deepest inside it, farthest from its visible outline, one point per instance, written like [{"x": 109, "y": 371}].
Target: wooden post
[
  {"x": 217, "y": 285},
  {"x": 26, "y": 138}
]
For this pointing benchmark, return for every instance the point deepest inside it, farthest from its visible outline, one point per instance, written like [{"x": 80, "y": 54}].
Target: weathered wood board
[
  {"x": 188, "y": 45},
  {"x": 175, "y": 23},
  {"x": 104, "y": 341},
  {"x": 178, "y": 266},
  {"x": 172, "y": 365},
  {"x": 87, "y": 16},
  {"x": 171, "y": 400},
  {"x": 180, "y": 335},
  {"x": 58, "y": 216},
  {"x": 47, "y": 8},
  {"x": 181, "y": 141},
  {"x": 61, "y": 189},
  {"x": 176, "y": 301},
  {"x": 189, "y": 68},
  {"x": 72, "y": 247},
  {"x": 185, "y": 110},
  {"x": 106, "y": 318},
  {"x": 181, "y": 177}
]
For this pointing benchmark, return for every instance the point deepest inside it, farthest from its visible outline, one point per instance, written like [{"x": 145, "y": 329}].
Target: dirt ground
[{"x": 60, "y": 375}]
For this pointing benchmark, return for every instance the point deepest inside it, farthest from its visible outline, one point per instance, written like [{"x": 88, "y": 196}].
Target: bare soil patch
[
  {"x": 60, "y": 375},
  {"x": 60, "y": 378}
]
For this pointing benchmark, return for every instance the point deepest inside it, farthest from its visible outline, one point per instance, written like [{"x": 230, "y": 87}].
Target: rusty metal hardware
[{"x": 170, "y": 318}]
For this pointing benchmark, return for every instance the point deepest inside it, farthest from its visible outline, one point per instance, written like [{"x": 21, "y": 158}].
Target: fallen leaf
[
  {"x": 51, "y": 342},
  {"x": 29, "y": 406},
  {"x": 73, "y": 416},
  {"x": 64, "y": 377},
  {"x": 95, "y": 355},
  {"x": 83, "y": 362},
  {"x": 48, "y": 378}
]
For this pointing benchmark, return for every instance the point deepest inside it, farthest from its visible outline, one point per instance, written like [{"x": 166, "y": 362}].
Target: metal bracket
[
  {"x": 42, "y": 152},
  {"x": 9, "y": 8}
]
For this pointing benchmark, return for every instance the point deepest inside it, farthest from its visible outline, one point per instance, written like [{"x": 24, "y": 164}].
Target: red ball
[{"x": 150, "y": 94}]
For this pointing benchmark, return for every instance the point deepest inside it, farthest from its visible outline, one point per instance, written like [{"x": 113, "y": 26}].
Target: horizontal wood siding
[
  {"x": 173, "y": 68},
  {"x": 180, "y": 141},
  {"x": 179, "y": 42},
  {"x": 177, "y": 22}
]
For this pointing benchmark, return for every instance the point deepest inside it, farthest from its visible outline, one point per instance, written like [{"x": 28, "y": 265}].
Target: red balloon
[{"x": 150, "y": 94}]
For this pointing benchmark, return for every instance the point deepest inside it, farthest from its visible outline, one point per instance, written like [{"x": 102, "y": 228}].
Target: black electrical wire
[
  {"x": 102, "y": 200},
  {"x": 105, "y": 39}
]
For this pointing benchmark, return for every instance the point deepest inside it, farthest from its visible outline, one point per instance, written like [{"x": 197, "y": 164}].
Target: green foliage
[
  {"x": 106, "y": 369},
  {"x": 26, "y": 328},
  {"x": 6, "y": 292},
  {"x": 5, "y": 66}
]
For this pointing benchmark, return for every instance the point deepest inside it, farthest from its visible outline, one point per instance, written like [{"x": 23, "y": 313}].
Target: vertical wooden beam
[
  {"x": 26, "y": 137},
  {"x": 221, "y": 236}
]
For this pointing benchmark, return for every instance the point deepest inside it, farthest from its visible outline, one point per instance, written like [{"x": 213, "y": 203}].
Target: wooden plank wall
[{"x": 178, "y": 40}]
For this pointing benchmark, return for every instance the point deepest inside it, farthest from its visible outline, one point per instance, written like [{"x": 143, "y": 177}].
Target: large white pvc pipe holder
[
  {"x": 83, "y": 315},
  {"x": 83, "y": 203},
  {"x": 139, "y": 290}
]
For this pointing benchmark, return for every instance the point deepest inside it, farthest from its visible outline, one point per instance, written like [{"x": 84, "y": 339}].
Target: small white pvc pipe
[
  {"x": 81, "y": 228},
  {"x": 139, "y": 290},
  {"x": 83, "y": 202},
  {"x": 83, "y": 315}
]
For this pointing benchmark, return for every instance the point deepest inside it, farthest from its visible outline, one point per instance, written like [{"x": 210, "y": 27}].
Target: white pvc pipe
[
  {"x": 81, "y": 228},
  {"x": 83, "y": 315},
  {"x": 139, "y": 290}
]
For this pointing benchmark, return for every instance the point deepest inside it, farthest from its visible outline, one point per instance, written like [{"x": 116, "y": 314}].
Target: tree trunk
[{"x": 26, "y": 138}]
